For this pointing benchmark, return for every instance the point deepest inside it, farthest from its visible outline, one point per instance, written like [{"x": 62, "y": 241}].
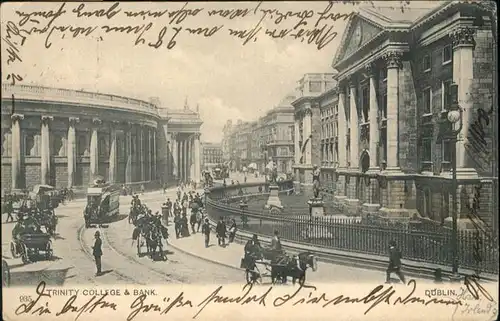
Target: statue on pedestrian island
[{"x": 316, "y": 183}]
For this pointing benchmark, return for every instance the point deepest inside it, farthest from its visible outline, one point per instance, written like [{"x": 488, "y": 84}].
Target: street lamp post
[{"x": 456, "y": 120}]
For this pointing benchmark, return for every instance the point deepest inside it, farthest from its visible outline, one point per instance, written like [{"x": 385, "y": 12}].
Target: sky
[{"x": 228, "y": 80}]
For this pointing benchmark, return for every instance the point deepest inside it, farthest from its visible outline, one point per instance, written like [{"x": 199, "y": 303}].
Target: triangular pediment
[{"x": 358, "y": 32}]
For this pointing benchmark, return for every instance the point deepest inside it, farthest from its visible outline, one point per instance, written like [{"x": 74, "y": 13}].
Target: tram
[{"x": 103, "y": 202}]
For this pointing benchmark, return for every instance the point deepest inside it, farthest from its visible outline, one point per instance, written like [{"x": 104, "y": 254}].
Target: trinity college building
[{"x": 378, "y": 126}]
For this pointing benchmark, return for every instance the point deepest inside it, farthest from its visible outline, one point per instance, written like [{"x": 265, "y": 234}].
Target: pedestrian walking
[
  {"x": 199, "y": 220},
  {"x": 142, "y": 189},
  {"x": 9, "y": 208},
  {"x": 221, "y": 232},
  {"x": 168, "y": 204},
  {"x": 232, "y": 231},
  {"x": 394, "y": 263},
  {"x": 177, "y": 225},
  {"x": 97, "y": 252},
  {"x": 206, "y": 231},
  {"x": 192, "y": 221}
]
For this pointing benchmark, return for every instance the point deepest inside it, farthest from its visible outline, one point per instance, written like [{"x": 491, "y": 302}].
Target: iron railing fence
[{"x": 423, "y": 241}]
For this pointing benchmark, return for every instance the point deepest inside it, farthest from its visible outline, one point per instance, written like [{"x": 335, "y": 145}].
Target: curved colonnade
[{"x": 65, "y": 138}]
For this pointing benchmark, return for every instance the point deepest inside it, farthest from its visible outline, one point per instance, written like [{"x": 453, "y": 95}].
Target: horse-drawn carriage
[
  {"x": 103, "y": 202},
  {"x": 29, "y": 245},
  {"x": 277, "y": 265},
  {"x": 148, "y": 231}
]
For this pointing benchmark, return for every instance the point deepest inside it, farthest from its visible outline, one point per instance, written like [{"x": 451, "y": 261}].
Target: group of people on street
[
  {"x": 187, "y": 202},
  {"x": 221, "y": 231}
]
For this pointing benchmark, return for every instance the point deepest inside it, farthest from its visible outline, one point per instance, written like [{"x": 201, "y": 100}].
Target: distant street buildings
[
  {"x": 268, "y": 138},
  {"x": 212, "y": 155}
]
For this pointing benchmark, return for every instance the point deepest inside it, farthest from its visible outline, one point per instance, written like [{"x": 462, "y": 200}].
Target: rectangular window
[
  {"x": 426, "y": 150},
  {"x": 315, "y": 86},
  {"x": 29, "y": 143},
  {"x": 447, "y": 53},
  {"x": 426, "y": 101},
  {"x": 366, "y": 103},
  {"x": 426, "y": 63},
  {"x": 446, "y": 100},
  {"x": 446, "y": 151}
]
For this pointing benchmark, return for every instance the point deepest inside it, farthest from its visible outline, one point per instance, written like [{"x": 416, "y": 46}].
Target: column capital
[
  {"x": 47, "y": 119},
  {"x": 114, "y": 124},
  {"x": 73, "y": 120},
  {"x": 393, "y": 59},
  {"x": 174, "y": 135},
  {"x": 96, "y": 121},
  {"x": 197, "y": 135},
  {"x": 308, "y": 111},
  {"x": 16, "y": 117},
  {"x": 463, "y": 36},
  {"x": 370, "y": 69}
]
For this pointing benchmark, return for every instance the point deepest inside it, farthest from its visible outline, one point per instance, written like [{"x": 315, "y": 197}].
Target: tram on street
[{"x": 103, "y": 202}]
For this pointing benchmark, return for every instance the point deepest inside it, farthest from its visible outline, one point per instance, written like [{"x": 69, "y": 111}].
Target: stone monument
[
  {"x": 316, "y": 204},
  {"x": 274, "y": 202}
]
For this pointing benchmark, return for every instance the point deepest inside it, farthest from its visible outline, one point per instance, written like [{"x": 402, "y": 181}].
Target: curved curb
[{"x": 204, "y": 258}]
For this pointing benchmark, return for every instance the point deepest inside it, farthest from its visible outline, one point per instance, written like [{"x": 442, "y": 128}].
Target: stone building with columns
[
  {"x": 66, "y": 138},
  {"x": 307, "y": 126},
  {"x": 393, "y": 95}
]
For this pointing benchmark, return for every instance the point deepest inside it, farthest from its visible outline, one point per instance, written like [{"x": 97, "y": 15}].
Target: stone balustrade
[{"x": 34, "y": 92}]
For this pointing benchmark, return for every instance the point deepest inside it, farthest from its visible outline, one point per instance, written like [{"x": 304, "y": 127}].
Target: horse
[
  {"x": 290, "y": 268},
  {"x": 154, "y": 242}
]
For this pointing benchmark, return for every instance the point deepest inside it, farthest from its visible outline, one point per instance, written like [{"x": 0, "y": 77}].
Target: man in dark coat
[
  {"x": 394, "y": 263},
  {"x": 206, "y": 231},
  {"x": 168, "y": 204},
  {"x": 177, "y": 225},
  {"x": 221, "y": 232},
  {"x": 97, "y": 252}
]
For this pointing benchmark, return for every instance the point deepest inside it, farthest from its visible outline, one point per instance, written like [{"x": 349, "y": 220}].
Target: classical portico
[{"x": 183, "y": 151}]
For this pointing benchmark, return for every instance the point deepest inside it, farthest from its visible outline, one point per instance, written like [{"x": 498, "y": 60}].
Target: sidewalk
[{"x": 230, "y": 256}]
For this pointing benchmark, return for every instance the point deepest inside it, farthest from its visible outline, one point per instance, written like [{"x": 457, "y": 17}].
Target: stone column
[
  {"x": 128, "y": 166},
  {"x": 181, "y": 160},
  {"x": 16, "y": 149},
  {"x": 72, "y": 150},
  {"x": 175, "y": 155},
  {"x": 353, "y": 119},
  {"x": 45, "y": 150},
  {"x": 374, "y": 127},
  {"x": 463, "y": 47},
  {"x": 342, "y": 136},
  {"x": 197, "y": 158},
  {"x": 342, "y": 143},
  {"x": 141, "y": 156},
  {"x": 393, "y": 60},
  {"x": 307, "y": 128},
  {"x": 113, "y": 154},
  {"x": 189, "y": 158},
  {"x": 150, "y": 155},
  {"x": 296, "y": 140},
  {"x": 154, "y": 171},
  {"x": 94, "y": 149}
]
